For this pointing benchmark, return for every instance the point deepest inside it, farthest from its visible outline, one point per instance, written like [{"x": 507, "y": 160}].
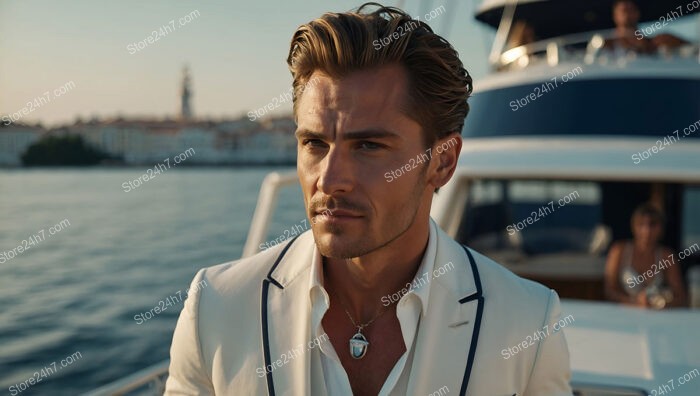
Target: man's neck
[
  {"x": 361, "y": 282},
  {"x": 625, "y": 31}
]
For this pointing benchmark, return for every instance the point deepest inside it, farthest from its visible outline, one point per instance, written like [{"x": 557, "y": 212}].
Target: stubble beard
[{"x": 364, "y": 245}]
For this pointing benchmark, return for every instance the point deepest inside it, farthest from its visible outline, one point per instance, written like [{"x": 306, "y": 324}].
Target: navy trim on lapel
[
  {"x": 263, "y": 314},
  {"x": 477, "y": 323}
]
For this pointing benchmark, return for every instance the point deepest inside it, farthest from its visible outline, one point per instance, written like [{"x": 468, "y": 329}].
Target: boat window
[
  {"x": 584, "y": 107},
  {"x": 691, "y": 217},
  {"x": 534, "y": 217}
]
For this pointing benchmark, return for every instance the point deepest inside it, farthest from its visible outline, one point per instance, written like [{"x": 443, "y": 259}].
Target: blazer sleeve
[
  {"x": 551, "y": 371},
  {"x": 188, "y": 374}
]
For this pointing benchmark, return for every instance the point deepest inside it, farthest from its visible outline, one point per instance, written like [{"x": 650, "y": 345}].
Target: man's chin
[{"x": 339, "y": 246}]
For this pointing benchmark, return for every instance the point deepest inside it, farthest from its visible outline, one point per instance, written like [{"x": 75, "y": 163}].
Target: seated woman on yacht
[{"x": 642, "y": 272}]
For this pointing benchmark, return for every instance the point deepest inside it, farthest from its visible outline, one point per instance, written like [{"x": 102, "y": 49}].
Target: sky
[{"x": 236, "y": 51}]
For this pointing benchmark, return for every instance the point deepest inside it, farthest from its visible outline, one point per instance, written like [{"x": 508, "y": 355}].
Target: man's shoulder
[
  {"x": 499, "y": 282},
  {"x": 239, "y": 276}
]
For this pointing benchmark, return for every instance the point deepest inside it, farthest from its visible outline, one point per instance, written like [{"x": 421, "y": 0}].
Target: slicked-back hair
[{"x": 338, "y": 44}]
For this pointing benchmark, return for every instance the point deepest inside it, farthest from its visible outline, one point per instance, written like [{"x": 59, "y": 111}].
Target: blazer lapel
[
  {"x": 445, "y": 345},
  {"x": 285, "y": 320},
  {"x": 449, "y": 331}
]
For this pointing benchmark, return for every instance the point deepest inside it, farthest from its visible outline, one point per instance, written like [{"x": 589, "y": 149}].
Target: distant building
[
  {"x": 14, "y": 141},
  {"x": 148, "y": 141}
]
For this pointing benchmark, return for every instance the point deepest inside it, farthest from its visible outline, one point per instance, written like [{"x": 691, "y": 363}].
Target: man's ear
[{"x": 445, "y": 152}]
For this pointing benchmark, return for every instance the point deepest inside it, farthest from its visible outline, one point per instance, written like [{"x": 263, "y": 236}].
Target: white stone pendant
[{"x": 358, "y": 346}]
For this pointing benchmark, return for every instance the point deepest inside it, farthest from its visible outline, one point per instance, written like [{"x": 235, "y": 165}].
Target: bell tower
[{"x": 186, "y": 95}]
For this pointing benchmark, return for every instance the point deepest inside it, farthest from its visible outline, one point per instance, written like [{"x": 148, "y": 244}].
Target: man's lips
[{"x": 336, "y": 214}]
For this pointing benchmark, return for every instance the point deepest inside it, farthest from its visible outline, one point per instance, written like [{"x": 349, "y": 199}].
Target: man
[
  {"x": 628, "y": 36},
  {"x": 376, "y": 299}
]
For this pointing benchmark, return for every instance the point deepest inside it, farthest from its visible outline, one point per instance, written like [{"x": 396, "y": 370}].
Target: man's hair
[
  {"x": 616, "y": 2},
  {"x": 338, "y": 44}
]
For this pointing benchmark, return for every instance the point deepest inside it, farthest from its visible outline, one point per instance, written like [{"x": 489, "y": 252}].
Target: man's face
[
  {"x": 626, "y": 14},
  {"x": 351, "y": 132}
]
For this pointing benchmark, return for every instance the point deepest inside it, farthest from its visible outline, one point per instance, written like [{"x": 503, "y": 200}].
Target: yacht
[{"x": 565, "y": 137}]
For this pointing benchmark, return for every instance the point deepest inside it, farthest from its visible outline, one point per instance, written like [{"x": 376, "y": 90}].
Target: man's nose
[{"x": 336, "y": 173}]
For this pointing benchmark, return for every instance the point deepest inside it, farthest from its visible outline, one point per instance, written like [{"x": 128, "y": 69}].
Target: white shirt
[{"x": 408, "y": 311}]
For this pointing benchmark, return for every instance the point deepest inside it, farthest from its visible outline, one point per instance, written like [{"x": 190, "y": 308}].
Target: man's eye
[
  {"x": 313, "y": 143},
  {"x": 370, "y": 145}
]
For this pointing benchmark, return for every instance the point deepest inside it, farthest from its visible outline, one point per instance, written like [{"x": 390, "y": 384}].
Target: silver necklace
[{"x": 358, "y": 343}]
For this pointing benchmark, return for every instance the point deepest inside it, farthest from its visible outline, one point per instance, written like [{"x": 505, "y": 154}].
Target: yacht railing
[
  {"x": 147, "y": 382},
  {"x": 553, "y": 50},
  {"x": 264, "y": 209}
]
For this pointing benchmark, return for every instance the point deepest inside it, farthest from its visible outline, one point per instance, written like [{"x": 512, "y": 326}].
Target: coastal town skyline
[{"x": 130, "y": 67}]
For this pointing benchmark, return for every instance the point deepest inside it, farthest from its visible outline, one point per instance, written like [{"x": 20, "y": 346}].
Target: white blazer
[{"x": 478, "y": 336}]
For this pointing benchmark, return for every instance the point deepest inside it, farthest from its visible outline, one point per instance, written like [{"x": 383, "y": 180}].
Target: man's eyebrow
[
  {"x": 307, "y": 134},
  {"x": 353, "y": 135},
  {"x": 371, "y": 134}
]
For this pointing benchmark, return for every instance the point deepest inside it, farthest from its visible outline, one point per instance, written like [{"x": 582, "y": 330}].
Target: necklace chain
[{"x": 362, "y": 325}]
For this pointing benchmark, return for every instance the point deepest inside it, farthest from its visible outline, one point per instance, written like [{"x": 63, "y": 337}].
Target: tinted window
[
  {"x": 536, "y": 217},
  {"x": 691, "y": 216}
]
